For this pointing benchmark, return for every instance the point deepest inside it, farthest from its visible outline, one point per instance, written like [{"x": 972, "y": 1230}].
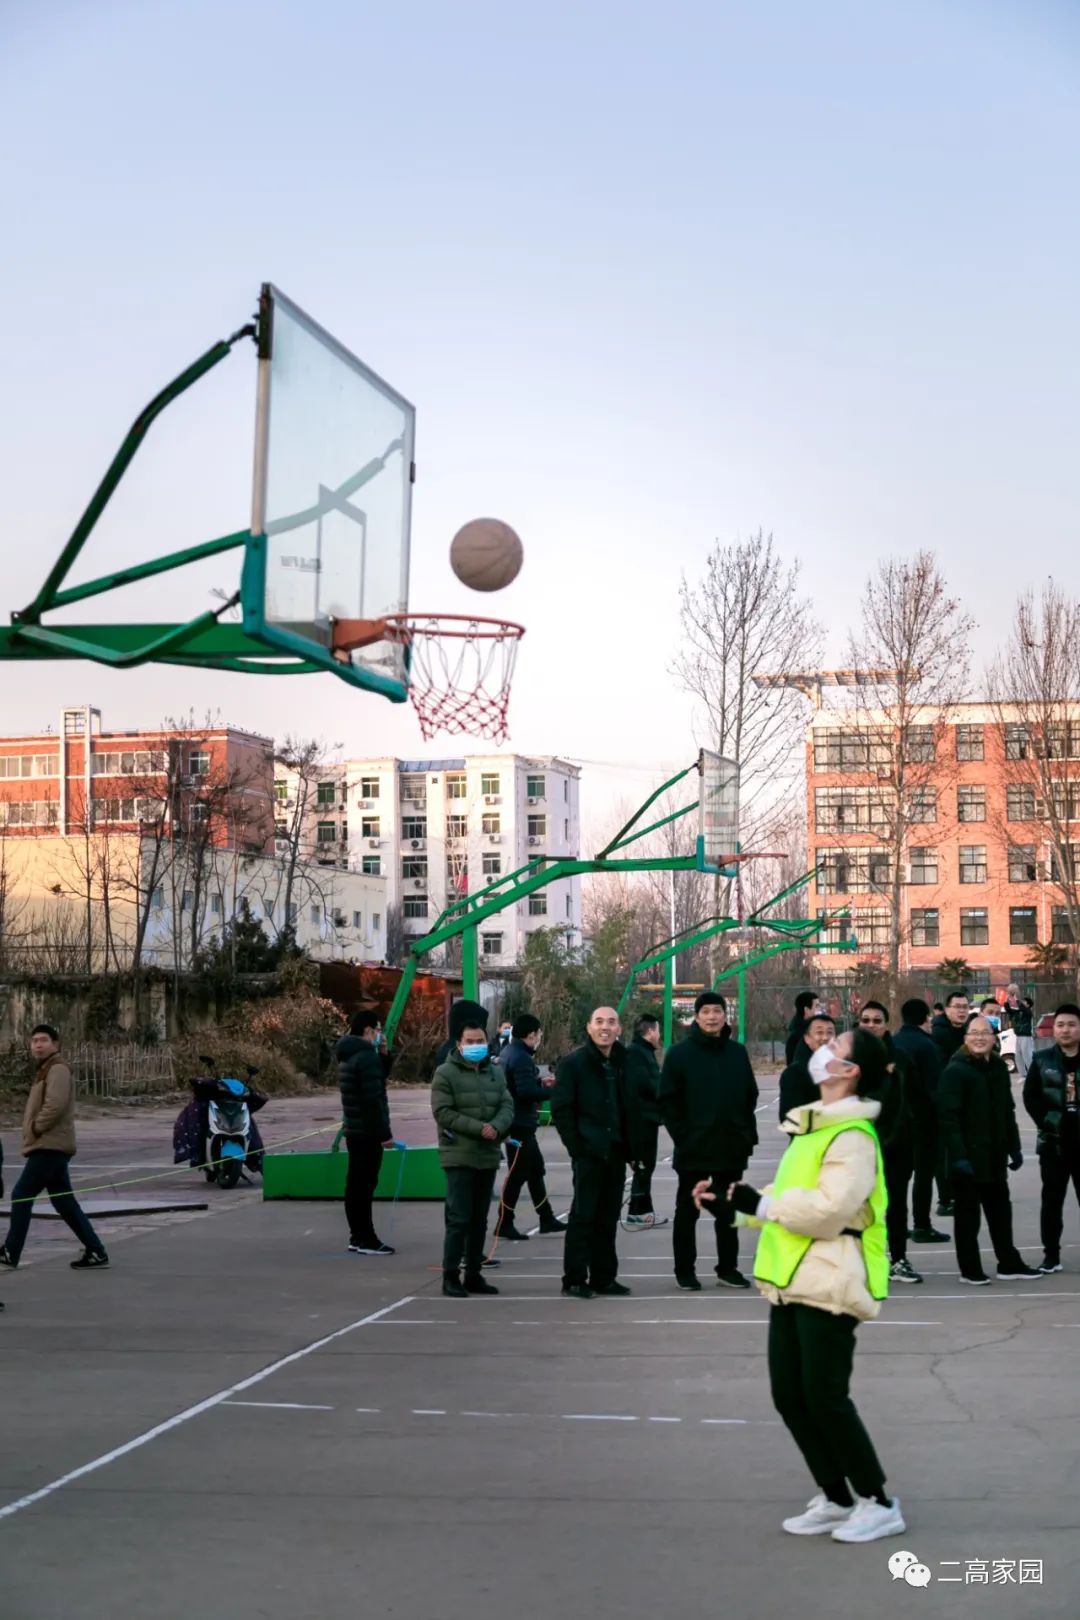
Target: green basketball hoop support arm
[{"x": 739, "y": 970}]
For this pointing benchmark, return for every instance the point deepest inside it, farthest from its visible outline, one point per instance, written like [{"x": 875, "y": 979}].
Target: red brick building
[
  {"x": 60, "y": 781},
  {"x": 984, "y": 874}
]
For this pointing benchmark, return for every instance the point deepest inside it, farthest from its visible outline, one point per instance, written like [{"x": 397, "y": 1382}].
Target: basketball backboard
[
  {"x": 718, "y": 812},
  {"x": 332, "y": 498}
]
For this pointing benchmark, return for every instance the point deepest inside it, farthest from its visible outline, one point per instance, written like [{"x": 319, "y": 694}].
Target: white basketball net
[{"x": 460, "y": 673}]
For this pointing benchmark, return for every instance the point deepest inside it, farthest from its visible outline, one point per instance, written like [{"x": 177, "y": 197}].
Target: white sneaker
[
  {"x": 821, "y": 1517},
  {"x": 870, "y": 1521}
]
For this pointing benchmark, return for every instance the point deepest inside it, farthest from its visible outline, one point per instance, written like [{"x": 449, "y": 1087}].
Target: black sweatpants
[
  {"x": 526, "y": 1163},
  {"x": 468, "y": 1199},
  {"x": 926, "y": 1154},
  {"x": 810, "y": 1359},
  {"x": 365, "y": 1162},
  {"x": 641, "y": 1186},
  {"x": 1058, "y": 1170},
  {"x": 899, "y": 1164},
  {"x": 684, "y": 1238},
  {"x": 589, "y": 1251},
  {"x": 993, "y": 1198}
]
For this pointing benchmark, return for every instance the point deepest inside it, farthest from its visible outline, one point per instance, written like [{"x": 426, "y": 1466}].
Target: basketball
[{"x": 486, "y": 555}]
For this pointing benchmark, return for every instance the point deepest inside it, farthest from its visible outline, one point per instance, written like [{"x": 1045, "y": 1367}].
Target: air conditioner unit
[
  {"x": 883, "y": 772},
  {"x": 492, "y": 798},
  {"x": 416, "y": 843},
  {"x": 419, "y": 883},
  {"x": 533, "y": 800},
  {"x": 494, "y": 838},
  {"x": 905, "y": 873},
  {"x": 373, "y": 843},
  {"x": 367, "y": 804},
  {"x": 534, "y": 840},
  {"x": 1043, "y": 869}
]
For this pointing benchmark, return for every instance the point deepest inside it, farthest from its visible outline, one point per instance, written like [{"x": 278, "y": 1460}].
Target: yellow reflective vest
[{"x": 780, "y": 1252}]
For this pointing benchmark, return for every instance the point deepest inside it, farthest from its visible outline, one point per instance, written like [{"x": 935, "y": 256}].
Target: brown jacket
[{"x": 49, "y": 1117}]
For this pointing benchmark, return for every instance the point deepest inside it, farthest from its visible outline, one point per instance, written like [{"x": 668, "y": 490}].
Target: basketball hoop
[{"x": 459, "y": 668}]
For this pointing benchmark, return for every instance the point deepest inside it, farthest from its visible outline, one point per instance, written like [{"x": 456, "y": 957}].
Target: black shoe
[
  {"x": 613, "y": 1288},
  {"x": 492, "y": 1262},
  {"x": 6, "y": 1259},
  {"x": 927, "y": 1234},
  {"x": 371, "y": 1248},
  {"x": 946, "y": 1209},
  {"x": 553, "y": 1227},
  {"x": 90, "y": 1260},
  {"x": 691, "y": 1284},
  {"x": 479, "y": 1285},
  {"x": 731, "y": 1279},
  {"x": 451, "y": 1287},
  {"x": 578, "y": 1291},
  {"x": 1018, "y": 1273},
  {"x": 1049, "y": 1267},
  {"x": 510, "y": 1234}
]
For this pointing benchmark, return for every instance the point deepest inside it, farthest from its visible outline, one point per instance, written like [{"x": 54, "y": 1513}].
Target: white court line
[
  {"x": 371, "y": 1410},
  {"x": 194, "y": 1411},
  {"x": 725, "y": 1420},
  {"x": 429, "y": 1411},
  {"x": 280, "y": 1406},
  {"x": 598, "y": 1417},
  {"x": 664, "y": 1420}
]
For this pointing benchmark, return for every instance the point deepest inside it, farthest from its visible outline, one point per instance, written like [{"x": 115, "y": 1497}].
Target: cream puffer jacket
[{"x": 831, "y": 1275}]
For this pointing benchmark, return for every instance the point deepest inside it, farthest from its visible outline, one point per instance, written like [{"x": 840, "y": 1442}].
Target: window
[
  {"x": 157, "y": 899},
  {"x": 491, "y": 944},
  {"x": 131, "y": 762},
  {"x": 316, "y": 914},
  {"x": 925, "y": 926},
  {"x": 969, "y": 742},
  {"x": 538, "y": 904},
  {"x": 566, "y": 790},
  {"x": 851, "y": 750},
  {"x": 924, "y": 866},
  {"x": 281, "y": 791},
  {"x": 919, "y": 746},
  {"x": 537, "y": 826},
  {"x": 34, "y": 764},
  {"x": 873, "y": 929},
  {"x": 1065, "y": 864},
  {"x": 268, "y": 907},
  {"x": 187, "y": 900},
  {"x": 491, "y": 865},
  {"x": 1022, "y": 864},
  {"x": 199, "y": 763},
  {"x": 457, "y": 826},
  {"x": 371, "y": 865},
  {"x": 490, "y": 823},
  {"x": 536, "y": 787},
  {"x": 1062, "y": 740},
  {"x": 414, "y": 866},
  {"x": 132, "y": 810},
  {"x": 569, "y": 905},
  {"x": 1017, "y": 742},
  {"x": 973, "y": 863},
  {"x": 1060, "y": 932},
  {"x": 1023, "y": 925},
  {"x": 923, "y": 806},
  {"x": 414, "y": 790},
  {"x": 489, "y": 783},
  {"x": 837, "y": 929},
  {"x": 1020, "y": 802},
  {"x": 200, "y": 812},
  {"x": 414, "y": 905},
  {"x": 566, "y": 830},
  {"x": 1066, "y": 796},
  {"x": 325, "y": 793},
  {"x": 456, "y": 787},
  {"x": 971, "y": 804},
  {"x": 414, "y": 826},
  {"x": 376, "y": 921},
  {"x": 974, "y": 926},
  {"x": 281, "y": 829},
  {"x": 326, "y": 832},
  {"x": 369, "y": 787},
  {"x": 292, "y": 913},
  {"x": 358, "y": 919},
  {"x": 848, "y": 809},
  {"x": 370, "y": 826},
  {"x": 852, "y": 871}
]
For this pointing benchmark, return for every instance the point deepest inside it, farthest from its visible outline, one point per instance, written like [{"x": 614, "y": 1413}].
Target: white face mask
[{"x": 819, "y": 1064}]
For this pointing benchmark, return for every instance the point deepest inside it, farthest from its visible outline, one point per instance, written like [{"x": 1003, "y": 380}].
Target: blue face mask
[{"x": 475, "y": 1054}]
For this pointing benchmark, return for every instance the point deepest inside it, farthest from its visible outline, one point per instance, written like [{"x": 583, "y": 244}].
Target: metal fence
[{"x": 121, "y": 1071}]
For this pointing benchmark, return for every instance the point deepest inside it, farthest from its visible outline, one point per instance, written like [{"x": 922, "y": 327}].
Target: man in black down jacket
[
  {"x": 947, "y": 1034},
  {"x": 362, "y": 1078},
  {"x": 924, "y": 1069},
  {"x": 806, "y": 1004},
  {"x": 595, "y": 1114},
  {"x": 523, "y": 1155},
  {"x": 980, "y": 1136},
  {"x": 1050, "y": 1097},
  {"x": 796, "y": 1086},
  {"x": 643, "y": 1077},
  {"x": 707, "y": 1099}
]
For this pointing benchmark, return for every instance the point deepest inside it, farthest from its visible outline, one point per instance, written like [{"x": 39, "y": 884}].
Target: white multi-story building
[{"x": 440, "y": 829}]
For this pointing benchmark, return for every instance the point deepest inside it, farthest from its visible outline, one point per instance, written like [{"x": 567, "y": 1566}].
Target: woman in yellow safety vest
[{"x": 823, "y": 1262}]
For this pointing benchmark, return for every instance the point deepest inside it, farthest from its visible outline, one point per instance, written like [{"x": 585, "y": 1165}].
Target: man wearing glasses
[{"x": 898, "y": 1153}]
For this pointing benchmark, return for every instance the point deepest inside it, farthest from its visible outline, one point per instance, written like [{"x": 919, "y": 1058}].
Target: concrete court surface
[{"x": 410, "y": 1456}]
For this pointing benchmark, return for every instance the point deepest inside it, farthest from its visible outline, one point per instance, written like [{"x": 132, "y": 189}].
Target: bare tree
[
  {"x": 306, "y": 759},
  {"x": 1035, "y": 689},
  {"x": 747, "y": 616},
  {"x": 911, "y": 660},
  {"x": 13, "y": 904}
]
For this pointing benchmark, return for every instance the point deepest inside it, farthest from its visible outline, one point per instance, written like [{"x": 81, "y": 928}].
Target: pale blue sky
[{"x": 651, "y": 275}]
